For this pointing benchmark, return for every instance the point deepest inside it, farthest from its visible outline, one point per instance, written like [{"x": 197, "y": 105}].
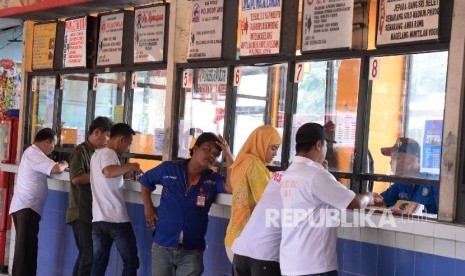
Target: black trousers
[
  {"x": 246, "y": 266},
  {"x": 83, "y": 237},
  {"x": 27, "y": 228}
]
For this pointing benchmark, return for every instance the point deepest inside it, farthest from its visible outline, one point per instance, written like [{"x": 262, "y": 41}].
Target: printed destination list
[
  {"x": 74, "y": 52},
  {"x": 327, "y": 24},
  {"x": 110, "y": 42},
  {"x": 407, "y": 21},
  {"x": 206, "y": 31},
  {"x": 260, "y": 27},
  {"x": 149, "y": 34}
]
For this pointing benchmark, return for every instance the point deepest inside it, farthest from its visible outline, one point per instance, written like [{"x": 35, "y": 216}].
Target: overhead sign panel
[
  {"x": 149, "y": 34},
  {"x": 260, "y": 27},
  {"x": 206, "y": 30},
  {"x": 74, "y": 51},
  {"x": 407, "y": 21},
  {"x": 327, "y": 24},
  {"x": 43, "y": 46},
  {"x": 110, "y": 40}
]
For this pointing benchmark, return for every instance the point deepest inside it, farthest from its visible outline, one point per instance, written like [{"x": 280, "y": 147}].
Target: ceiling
[
  {"x": 8, "y": 23},
  {"x": 91, "y": 6}
]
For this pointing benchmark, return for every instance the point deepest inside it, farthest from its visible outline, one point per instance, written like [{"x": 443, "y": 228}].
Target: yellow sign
[
  {"x": 43, "y": 47},
  {"x": 118, "y": 112}
]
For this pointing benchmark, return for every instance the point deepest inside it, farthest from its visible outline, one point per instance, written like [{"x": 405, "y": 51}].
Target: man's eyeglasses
[{"x": 210, "y": 150}]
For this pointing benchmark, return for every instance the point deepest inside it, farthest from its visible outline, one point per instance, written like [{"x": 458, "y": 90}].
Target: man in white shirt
[
  {"x": 29, "y": 198},
  {"x": 256, "y": 250},
  {"x": 110, "y": 219},
  {"x": 308, "y": 193}
]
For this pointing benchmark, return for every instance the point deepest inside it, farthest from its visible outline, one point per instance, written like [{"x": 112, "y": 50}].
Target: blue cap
[{"x": 405, "y": 145}]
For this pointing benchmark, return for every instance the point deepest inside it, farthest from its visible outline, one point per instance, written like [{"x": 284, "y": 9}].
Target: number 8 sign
[{"x": 375, "y": 65}]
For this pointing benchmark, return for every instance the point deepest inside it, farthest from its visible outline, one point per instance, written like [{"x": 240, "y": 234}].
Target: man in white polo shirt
[
  {"x": 256, "y": 250},
  {"x": 110, "y": 219},
  {"x": 308, "y": 244},
  {"x": 29, "y": 198}
]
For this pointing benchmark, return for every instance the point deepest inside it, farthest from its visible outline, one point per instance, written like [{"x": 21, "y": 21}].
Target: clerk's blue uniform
[
  {"x": 182, "y": 209},
  {"x": 423, "y": 194}
]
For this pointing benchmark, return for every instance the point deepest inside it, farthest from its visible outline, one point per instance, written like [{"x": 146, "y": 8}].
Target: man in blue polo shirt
[
  {"x": 405, "y": 161},
  {"x": 189, "y": 189}
]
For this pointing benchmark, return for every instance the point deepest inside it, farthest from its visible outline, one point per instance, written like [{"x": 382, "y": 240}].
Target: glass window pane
[
  {"x": 203, "y": 107},
  {"x": 74, "y": 109},
  {"x": 43, "y": 104},
  {"x": 109, "y": 100},
  {"x": 328, "y": 95},
  {"x": 148, "y": 115},
  {"x": 408, "y": 101},
  {"x": 260, "y": 101},
  {"x": 253, "y": 81}
]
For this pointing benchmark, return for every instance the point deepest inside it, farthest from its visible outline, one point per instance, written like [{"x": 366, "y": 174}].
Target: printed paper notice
[
  {"x": 211, "y": 84},
  {"x": 431, "y": 150},
  {"x": 206, "y": 29},
  {"x": 327, "y": 24},
  {"x": 407, "y": 21},
  {"x": 43, "y": 46},
  {"x": 74, "y": 52},
  {"x": 149, "y": 34},
  {"x": 260, "y": 27},
  {"x": 346, "y": 124},
  {"x": 110, "y": 41}
]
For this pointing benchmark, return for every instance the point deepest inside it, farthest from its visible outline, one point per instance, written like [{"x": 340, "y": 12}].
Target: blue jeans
[
  {"x": 103, "y": 236},
  {"x": 176, "y": 262}
]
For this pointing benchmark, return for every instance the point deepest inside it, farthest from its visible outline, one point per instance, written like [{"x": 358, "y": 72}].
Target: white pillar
[
  {"x": 178, "y": 41},
  {"x": 453, "y": 115}
]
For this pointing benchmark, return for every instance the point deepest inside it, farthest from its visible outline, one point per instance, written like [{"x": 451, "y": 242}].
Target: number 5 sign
[
  {"x": 299, "y": 72},
  {"x": 237, "y": 76},
  {"x": 375, "y": 65},
  {"x": 187, "y": 78}
]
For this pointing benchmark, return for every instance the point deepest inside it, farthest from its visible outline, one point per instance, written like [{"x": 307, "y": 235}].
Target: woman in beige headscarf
[{"x": 249, "y": 177}]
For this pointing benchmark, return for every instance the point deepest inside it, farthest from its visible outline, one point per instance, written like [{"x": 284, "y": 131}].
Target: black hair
[
  {"x": 206, "y": 137},
  {"x": 45, "y": 134},
  {"x": 308, "y": 136},
  {"x": 304, "y": 147},
  {"x": 101, "y": 123},
  {"x": 121, "y": 129}
]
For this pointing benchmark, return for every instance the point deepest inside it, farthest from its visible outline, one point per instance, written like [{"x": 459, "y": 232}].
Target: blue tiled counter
[{"x": 409, "y": 248}]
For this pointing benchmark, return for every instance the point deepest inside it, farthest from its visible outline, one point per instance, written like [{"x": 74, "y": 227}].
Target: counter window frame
[
  {"x": 62, "y": 152},
  {"x": 359, "y": 181}
]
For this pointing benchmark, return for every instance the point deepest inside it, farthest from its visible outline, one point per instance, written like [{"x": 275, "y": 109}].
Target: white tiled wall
[{"x": 443, "y": 239}]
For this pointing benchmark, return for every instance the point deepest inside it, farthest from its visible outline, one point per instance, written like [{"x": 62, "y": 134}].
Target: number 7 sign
[{"x": 299, "y": 72}]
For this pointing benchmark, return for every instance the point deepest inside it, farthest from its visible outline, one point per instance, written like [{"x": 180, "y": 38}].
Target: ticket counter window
[
  {"x": 109, "y": 100},
  {"x": 148, "y": 115},
  {"x": 407, "y": 105},
  {"x": 43, "y": 103},
  {"x": 260, "y": 101},
  {"x": 74, "y": 109},
  {"x": 204, "y": 105},
  {"x": 328, "y": 95}
]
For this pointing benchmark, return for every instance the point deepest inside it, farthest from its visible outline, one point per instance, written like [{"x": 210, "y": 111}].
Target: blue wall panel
[{"x": 57, "y": 250}]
